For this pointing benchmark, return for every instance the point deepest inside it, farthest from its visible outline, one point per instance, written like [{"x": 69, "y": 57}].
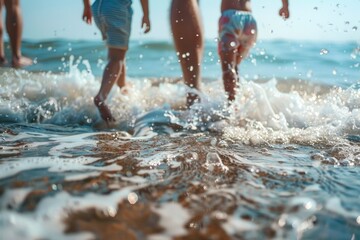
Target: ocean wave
[{"x": 292, "y": 107}]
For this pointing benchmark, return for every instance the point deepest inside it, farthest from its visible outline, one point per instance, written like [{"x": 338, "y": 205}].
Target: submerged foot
[
  {"x": 191, "y": 99},
  {"x": 104, "y": 110},
  {"x": 19, "y": 62}
]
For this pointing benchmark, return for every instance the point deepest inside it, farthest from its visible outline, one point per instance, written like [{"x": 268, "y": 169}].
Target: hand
[
  {"x": 87, "y": 15},
  {"x": 284, "y": 12},
  {"x": 145, "y": 24}
]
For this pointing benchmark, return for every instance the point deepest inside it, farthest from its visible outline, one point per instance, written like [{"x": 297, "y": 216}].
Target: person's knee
[
  {"x": 116, "y": 60},
  {"x": 116, "y": 55}
]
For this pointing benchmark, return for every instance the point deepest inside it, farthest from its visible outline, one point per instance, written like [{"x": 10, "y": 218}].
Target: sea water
[{"x": 281, "y": 163}]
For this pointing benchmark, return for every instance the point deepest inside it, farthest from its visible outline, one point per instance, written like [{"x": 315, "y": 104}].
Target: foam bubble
[{"x": 173, "y": 226}]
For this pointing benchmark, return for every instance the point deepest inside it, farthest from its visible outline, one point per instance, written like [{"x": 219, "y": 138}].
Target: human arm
[
  {"x": 145, "y": 23},
  {"x": 87, "y": 14},
  {"x": 284, "y": 11}
]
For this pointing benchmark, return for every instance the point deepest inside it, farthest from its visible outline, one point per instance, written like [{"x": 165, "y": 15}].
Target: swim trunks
[
  {"x": 237, "y": 31},
  {"x": 113, "y": 18}
]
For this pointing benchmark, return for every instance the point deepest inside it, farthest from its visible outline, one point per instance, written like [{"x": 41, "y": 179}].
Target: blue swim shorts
[
  {"x": 113, "y": 18},
  {"x": 237, "y": 32}
]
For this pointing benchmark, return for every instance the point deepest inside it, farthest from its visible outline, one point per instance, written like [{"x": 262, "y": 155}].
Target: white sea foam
[
  {"x": 46, "y": 222},
  {"x": 13, "y": 198},
  {"x": 67, "y": 99},
  {"x": 334, "y": 205},
  {"x": 235, "y": 225},
  {"x": 53, "y": 164},
  {"x": 173, "y": 226}
]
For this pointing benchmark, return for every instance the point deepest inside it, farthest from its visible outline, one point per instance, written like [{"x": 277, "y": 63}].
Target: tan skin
[
  {"x": 115, "y": 70},
  {"x": 231, "y": 59},
  {"x": 188, "y": 37},
  {"x": 14, "y": 27}
]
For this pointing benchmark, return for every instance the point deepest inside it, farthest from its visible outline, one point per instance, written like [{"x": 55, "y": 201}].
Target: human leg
[
  {"x": 14, "y": 27},
  {"x": 121, "y": 80},
  {"x": 237, "y": 34},
  {"x": 229, "y": 73},
  {"x": 2, "y": 51},
  {"x": 111, "y": 75},
  {"x": 188, "y": 39}
]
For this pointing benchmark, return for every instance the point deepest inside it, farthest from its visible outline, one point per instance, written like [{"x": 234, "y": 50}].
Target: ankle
[
  {"x": 2, "y": 59},
  {"x": 98, "y": 100}
]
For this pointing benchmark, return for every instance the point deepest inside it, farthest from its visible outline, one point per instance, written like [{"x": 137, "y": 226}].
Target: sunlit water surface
[{"x": 281, "y": 163}]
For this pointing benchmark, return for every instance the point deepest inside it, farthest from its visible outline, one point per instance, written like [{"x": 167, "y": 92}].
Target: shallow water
[{"x": 281, "y": 163}]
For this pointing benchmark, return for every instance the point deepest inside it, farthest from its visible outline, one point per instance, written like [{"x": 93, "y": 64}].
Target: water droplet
[
  {"x": 191, "y": 68},
  {"x": 324, "y": 51},
  {"x": 309, "y": 73},
  {"x": 355, "y": 28},
  {"x": 308, "y": 205},
  {"x": 282, "y": 221},
  {"x": 334, "y": 72},
  {"x": 358, "y": 220},
  {"x": 315, "y": 8},
  {"x": 133, "y": 198},
  {"x": 140, "y": 56},
  {"x": 253, "y": 31},
  {"x": 232, "y": 44},
  {"x": 49, "y": 48}
]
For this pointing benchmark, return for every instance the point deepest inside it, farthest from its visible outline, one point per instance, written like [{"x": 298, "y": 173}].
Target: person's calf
[{"x": 230, "y": 79}]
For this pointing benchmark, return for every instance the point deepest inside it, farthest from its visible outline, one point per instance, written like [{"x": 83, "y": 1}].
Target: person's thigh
[{"x": 12, "y": 3}]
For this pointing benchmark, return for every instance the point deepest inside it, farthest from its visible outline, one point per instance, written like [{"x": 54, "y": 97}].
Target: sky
[{"x": 310, "y": 20}]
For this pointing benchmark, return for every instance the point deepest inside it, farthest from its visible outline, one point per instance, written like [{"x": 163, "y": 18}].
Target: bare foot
[
  {"x": 19, "y": 62},
  {"x": 3, "y": 61},
  {"x": 104, "y": 110}
]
